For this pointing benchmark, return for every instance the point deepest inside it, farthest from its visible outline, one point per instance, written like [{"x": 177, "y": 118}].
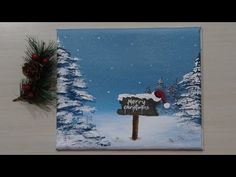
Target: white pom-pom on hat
[{"x": 166, "y": 105}]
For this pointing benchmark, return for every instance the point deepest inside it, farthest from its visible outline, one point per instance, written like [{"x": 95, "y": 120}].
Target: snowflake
[
  {"x": 99, "y": 38},
  {"x": 108, "y": 91}
]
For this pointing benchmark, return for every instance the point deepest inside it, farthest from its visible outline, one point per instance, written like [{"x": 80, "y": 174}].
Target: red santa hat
[{"x": 161, "y": 94}]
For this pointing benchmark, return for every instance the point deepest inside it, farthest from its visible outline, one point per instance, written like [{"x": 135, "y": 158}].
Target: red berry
[
  {"x": 35, "y": 57},
  {"x": 30, "y": 95},
  {"x": 26, "y": 87},
  {"x": 45, "y": 60}
]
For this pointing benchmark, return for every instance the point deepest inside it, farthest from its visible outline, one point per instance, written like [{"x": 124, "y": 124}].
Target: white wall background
[{"x": 25, "y": 129}]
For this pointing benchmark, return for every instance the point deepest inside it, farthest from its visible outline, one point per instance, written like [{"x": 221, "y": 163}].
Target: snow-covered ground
[{"x": 161, "y": 132}]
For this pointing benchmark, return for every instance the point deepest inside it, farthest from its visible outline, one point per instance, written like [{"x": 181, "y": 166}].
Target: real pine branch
[{"x": 45, "y": 87}]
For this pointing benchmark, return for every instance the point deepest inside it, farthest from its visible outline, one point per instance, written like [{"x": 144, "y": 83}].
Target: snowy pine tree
[
  {"x": 189, "y": 103},
  {"x": 74, "y": 125}
]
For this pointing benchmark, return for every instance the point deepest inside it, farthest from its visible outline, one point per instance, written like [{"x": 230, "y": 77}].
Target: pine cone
[{"x": 32, "y": 70}]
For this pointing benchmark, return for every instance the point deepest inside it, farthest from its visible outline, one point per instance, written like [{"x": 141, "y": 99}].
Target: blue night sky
[{"x": 116, "y": 61}]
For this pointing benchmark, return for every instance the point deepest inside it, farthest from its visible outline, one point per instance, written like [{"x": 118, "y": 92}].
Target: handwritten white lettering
[{"x": 136, "y": 105}]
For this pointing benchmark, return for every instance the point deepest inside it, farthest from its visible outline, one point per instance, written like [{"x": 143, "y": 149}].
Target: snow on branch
[
  {"x": 62, "y": 71},
  {"x": 79, "y": 83},
  {"x": 84, "y": 95},
  {"x": 87, "y": 109}
]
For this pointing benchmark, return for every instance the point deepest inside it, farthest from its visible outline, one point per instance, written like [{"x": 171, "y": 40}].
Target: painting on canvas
[{"x": 133, "y": 88}]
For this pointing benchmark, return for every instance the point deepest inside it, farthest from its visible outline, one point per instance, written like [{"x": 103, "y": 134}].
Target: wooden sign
[{"x": 135, "y": 105}]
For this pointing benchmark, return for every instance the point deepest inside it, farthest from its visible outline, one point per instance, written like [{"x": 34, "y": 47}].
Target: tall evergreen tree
[
  {"x": 74, "y": 124},
  {"x": 189, "y": 103}
]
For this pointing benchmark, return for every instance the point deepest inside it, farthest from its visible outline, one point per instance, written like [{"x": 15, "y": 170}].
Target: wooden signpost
[
  {"x": 135, "y": 127},
  {"x": 135, "y": 105}
]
